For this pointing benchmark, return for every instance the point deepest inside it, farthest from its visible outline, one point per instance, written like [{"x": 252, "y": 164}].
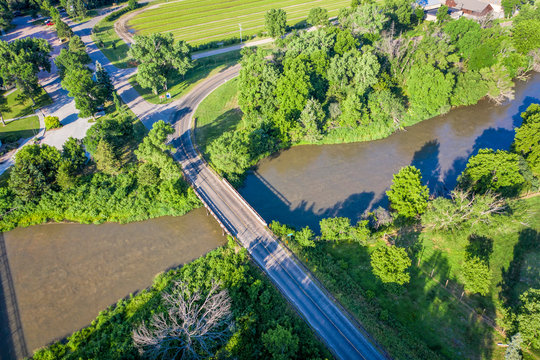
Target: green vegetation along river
[
  {"x": 304, "y": 184},
  {"x": 62, "y": 275}
]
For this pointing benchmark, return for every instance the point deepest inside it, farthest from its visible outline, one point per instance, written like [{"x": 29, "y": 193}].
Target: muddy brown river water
[
  {"x": 57, "y": 277},
  {"x": 304, "y": 184}
]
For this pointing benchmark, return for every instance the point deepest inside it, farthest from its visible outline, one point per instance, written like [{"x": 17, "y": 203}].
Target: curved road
[
  {"x": 328, "y": 320},
  {"x": 297, "y": 284}
]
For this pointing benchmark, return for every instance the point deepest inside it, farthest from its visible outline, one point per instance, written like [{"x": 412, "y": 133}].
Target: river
[
  {"x": 304, "y": 184},
  {"x": 56, "y": 278}
]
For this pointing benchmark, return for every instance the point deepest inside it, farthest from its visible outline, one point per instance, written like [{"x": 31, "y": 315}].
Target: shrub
[{"x": 52, "y": 122}]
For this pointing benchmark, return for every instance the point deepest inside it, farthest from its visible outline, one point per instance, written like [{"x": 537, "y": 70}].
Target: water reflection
[{"x": 304, "y": 184}]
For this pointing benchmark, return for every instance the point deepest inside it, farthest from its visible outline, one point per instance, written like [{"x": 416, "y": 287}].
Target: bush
[{"x": 52, "y": 122}]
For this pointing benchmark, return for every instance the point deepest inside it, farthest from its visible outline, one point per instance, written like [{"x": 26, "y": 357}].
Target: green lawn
[
  {"x": 217, "y": 113},
  {"x": 202, "y": 21},
  {"x": 181, "y": 85},
  {"x": 19, "y": 129},
  {"x": 18, "y": 109}
]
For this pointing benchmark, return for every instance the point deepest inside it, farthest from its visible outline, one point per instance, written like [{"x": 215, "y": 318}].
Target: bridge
[{"x": 329, "y": 321}]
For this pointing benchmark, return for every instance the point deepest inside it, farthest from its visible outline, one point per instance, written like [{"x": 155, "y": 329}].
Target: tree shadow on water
[{"x": 12, "y": 341}]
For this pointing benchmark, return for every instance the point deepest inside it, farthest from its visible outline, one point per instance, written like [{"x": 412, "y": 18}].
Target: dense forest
[
  {"x": 380, "y": 69},
  {"x": 258, "y": 323},
  {"x": 465, "y": 265}
]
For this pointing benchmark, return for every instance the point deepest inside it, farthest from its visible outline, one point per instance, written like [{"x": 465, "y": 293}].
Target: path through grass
[{"x": 202, "y": 21}]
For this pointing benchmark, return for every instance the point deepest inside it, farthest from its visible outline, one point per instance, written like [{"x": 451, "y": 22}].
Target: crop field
[{"x": 202, "y": 21}]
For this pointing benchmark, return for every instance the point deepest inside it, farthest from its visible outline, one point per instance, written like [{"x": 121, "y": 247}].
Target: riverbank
[{"x": 63, "y": 275}]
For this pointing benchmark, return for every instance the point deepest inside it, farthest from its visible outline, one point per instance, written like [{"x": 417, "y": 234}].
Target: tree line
[{"x": 380, "y": 69}]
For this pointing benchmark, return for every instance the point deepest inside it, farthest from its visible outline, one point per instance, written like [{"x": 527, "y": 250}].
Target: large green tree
[
  {"x": 317, "y": 16},
  {"x": 528, "y": 318},
  {"x": 390, "y": 264},
  {"x": 78, "y": 82},
  {"x": 408, "y": 197},
  {"x": 492, "y": 170},
  {"x": 275, "y": 21},
  {"x": 281, "y": 343},
  {"x": 429, "y": 91},
  {"x": 527, "y": 139},
  {"x": 159, "y": 56}
]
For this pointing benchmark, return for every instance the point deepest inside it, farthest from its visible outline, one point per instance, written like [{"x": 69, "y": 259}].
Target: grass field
[
  {"x": 18, "y": 109},
  {"x": 217, "y": 113},
  {"x": 201, "y": 21},
  {"x": 19, "y": 129}
]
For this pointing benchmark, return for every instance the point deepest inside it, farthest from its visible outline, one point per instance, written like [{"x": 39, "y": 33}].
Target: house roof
[{"x": 472, "y": 5}]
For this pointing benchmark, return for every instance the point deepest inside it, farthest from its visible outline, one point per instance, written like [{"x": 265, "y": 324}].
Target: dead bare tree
[{"x": 190, "y": 329}]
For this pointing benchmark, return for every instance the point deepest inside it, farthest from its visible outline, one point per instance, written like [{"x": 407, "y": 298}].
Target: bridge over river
[{"x": 332, "y": 324}]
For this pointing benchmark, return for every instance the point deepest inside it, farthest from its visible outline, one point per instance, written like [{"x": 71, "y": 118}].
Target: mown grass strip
[{"x": 196, "y": 22}]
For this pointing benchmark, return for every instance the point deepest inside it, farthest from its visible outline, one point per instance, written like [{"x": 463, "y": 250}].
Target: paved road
[{"x": 340, "y": 334}]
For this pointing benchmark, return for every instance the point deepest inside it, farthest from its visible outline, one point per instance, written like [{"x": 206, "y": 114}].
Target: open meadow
[{"x": 202, "y": 21}]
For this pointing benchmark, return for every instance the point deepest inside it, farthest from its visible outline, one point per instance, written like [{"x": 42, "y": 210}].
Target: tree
[
  {"x": 148, "y": 174},
  {"x": 309, "y": 123},
  {"x": 527, "y": 139},
  {"x": 106, "y": 158},
  {"x": 158, "y": 56},
  {"x": 305, "y": 237},
  {"x": 65, "y": 177},
  {"x": 191, "y": 326},
  {"x": 257, "y": 83},
  {"x": 429, "y": 91},
  {"x": 408, "y": 197},
  {"x": 526, "y": 35},
  {"x": 3, "y": 108},
  {"x": 21, "y": 61},
  {"x": 363, "y": 19},
  {"x": 62, "y": 29},
  {"x": 500, "y": 85},
  {"x": 294, "y": 86},
  {"x": 275, "y": 22},
  {"x": 476, "y": 274},
  {"x": 280, "y": 342},
  {"x": 104, "y": 84},
  {"x": 513, "y": 351},
  {"x": 442, "y": 14},
  {"x": 6, "y": 16},
  {"x": 463, "y": 208},
  {"x": 390, "y": 264},
  {"x": 27, "y": 182},
  {"x": 73, "y": 152},
  {"x": 528, "y": 318},
  {"x": 470, "y": 87},
  {"x": 491, "y": 170},
  {"x": 318, "y": 16},
  {"x": 78, "y": 82}
]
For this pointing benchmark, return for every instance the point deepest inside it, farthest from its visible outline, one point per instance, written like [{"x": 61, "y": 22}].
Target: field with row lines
[{"x": 202, "y": 21}]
